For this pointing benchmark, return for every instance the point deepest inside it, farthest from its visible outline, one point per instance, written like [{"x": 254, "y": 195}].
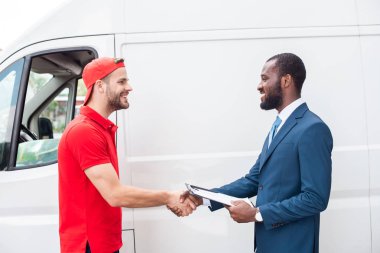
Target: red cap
[{"x": 98, "y": 69}]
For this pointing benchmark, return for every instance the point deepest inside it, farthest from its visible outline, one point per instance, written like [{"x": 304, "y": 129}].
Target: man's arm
[
  {"x": 241, "y": 188},
  {"x": 106, "y": 181}
]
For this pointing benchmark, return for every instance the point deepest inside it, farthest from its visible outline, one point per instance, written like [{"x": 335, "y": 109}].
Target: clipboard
[{"x": 214, "y": 196}]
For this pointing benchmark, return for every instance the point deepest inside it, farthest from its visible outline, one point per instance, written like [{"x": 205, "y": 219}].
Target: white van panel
[
  {"x": 374, "y": 156},
  {"x": 75, "y": 19},
  {"x": 207, "y": 81},
  {"x": 340, "y": 232},
  {"x": 28, "y": 209},
  {"x": 368, "y": 11},
  {"x": 205, "y": 230},
  {"x": 172, "y": 15},
  {"x": 350, "y": 193},
  {"x": 128, "y": 238},
  {"x": 204, "y": 98},
  {"x": 371, "y": 56}
]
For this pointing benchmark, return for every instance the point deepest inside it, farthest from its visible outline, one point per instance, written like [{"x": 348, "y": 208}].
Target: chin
[
  {"x": 266, "y": 107},
  {"x": 126, "y": 106}
]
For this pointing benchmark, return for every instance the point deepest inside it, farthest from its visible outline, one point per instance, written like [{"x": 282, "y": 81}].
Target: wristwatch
[{"x": 258, "y": 216}]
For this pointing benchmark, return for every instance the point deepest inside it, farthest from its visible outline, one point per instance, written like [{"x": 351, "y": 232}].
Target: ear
[
  {"x": 99, "y": 86},
  {"x": 286, "y": 81}
]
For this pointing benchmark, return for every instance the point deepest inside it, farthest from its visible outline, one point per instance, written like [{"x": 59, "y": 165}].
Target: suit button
[{"x": 260, "y": 187}]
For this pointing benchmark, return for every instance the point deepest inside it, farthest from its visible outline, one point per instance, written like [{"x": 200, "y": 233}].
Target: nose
[
  {"x": 260, "y": 86},
  {"x": 129, "y": 87}
]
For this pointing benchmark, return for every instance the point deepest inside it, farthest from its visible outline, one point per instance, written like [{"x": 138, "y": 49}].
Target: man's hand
[
  {"x": 242, "y": 212},
  {"x": 180, "y": 208},
  {"x": 187, "y": 196}
]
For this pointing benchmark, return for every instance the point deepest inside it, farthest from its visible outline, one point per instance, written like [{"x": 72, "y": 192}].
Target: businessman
[{"x": 292, "y": 175}]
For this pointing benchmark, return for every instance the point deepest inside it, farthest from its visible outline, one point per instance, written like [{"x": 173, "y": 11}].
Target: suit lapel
[
  {"x": 285, "y": 129},
  {"x": 264, "y": 152}
]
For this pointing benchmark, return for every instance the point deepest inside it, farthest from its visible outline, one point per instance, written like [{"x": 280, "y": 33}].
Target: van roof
[{"x": 74, "y": 18}]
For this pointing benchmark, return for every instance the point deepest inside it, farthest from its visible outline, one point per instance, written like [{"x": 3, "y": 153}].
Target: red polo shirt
[{"x": 84, "y": 215}]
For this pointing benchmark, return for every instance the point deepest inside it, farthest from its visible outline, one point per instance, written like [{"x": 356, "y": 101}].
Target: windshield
[{"x": 9, "y": 86}]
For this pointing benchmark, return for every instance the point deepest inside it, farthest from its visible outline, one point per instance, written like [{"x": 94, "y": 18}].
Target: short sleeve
[{"x": 88, "y": 146}]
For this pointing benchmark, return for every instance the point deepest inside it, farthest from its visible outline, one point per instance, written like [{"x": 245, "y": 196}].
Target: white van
[{"x": 194, "y": 114}]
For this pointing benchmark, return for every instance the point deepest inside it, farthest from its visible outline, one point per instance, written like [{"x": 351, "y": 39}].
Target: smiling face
[
  {"x": 117, "y": 90},
  {"x": 270, "y": 87}
]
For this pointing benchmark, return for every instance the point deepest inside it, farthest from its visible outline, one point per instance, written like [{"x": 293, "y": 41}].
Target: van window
[
  {"x": 51, "y": 124},
  {"x": 55, "y": 113},
  {"x": 9, "y": 86},
  {"x": 36, "y": 82},
  {"x": 54, "y": 95},
  {"x": 81, "y": 94}
]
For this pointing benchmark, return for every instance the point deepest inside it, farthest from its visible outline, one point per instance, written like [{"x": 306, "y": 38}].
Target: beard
[
  {"x": 273, "y": 99},
  {"x": 114, "y": 101}
]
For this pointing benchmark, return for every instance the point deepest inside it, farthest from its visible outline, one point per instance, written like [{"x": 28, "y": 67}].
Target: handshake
[{"x": 183, "y": 204}]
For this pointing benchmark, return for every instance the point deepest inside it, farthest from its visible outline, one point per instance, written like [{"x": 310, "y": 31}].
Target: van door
[{"x": 42, "y": 91}]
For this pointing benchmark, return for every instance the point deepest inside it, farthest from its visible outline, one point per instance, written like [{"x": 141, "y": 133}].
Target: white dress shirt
[{"x": 285, "y": 113}]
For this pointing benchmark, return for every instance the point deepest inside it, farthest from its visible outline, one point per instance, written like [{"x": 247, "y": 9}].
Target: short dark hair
[{"x": 288, "y": 63}]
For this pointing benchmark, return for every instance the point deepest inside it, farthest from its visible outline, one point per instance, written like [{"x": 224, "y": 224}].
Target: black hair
[{"x": 288, "y": 63}]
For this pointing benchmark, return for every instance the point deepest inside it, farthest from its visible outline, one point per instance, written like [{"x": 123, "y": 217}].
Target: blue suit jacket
[{"x": 292, "y": 181}]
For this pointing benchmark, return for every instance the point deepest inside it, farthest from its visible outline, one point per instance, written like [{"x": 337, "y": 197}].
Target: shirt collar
[
  {"x": 288, "y": 110},
  {"x": 95, "y": 116}
]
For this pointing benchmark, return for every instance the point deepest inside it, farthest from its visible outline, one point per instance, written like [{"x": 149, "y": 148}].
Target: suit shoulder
[
  {"x": 312, "y": 118},
  {"x": 313, "y": 121}
]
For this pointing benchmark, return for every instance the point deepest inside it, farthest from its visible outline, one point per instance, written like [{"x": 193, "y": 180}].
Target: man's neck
[
  {"x": 100, "y": 109},
  {"x": 287, "y": 102}
]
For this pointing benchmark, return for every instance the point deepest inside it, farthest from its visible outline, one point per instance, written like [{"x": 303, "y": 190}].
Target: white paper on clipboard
[{"x": 218, "y": 197}]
